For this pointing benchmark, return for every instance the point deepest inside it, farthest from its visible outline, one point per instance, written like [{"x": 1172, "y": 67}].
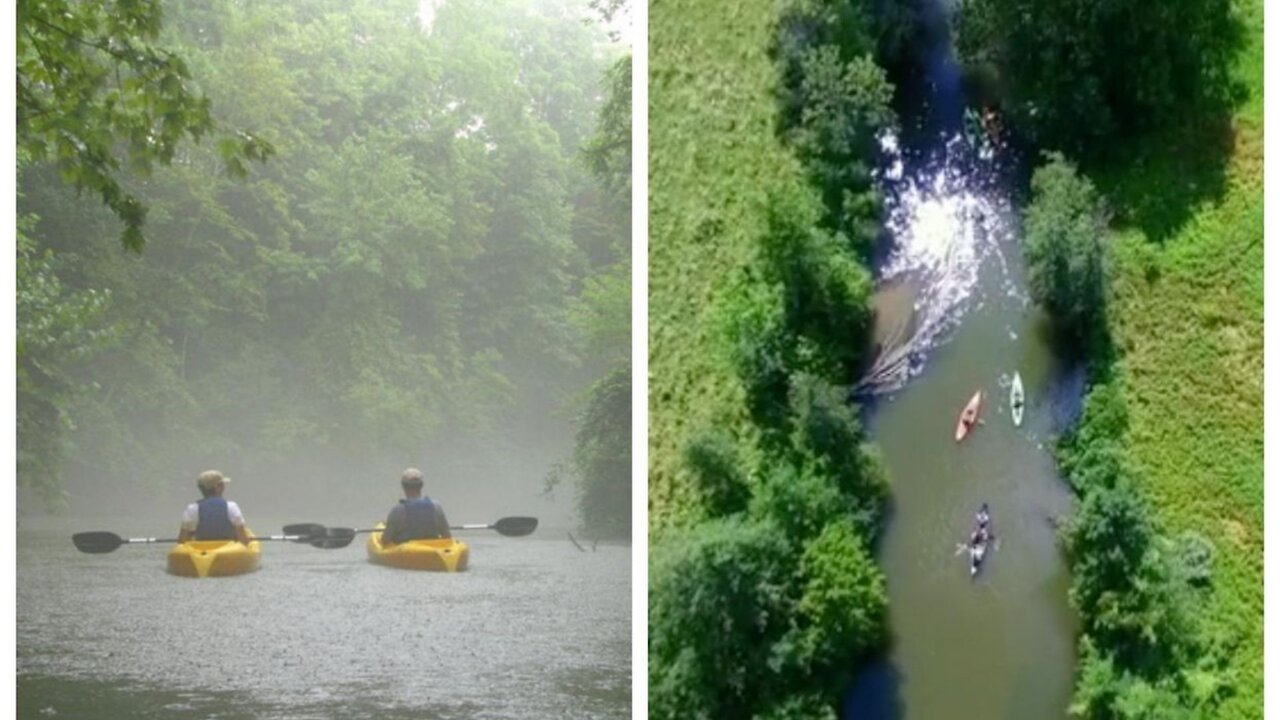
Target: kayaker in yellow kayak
[
  {"x": 213, "y": 517},
  {"x": 416, "y": 517}
]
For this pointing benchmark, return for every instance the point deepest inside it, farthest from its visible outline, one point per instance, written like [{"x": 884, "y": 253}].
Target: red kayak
[{"x": 969, "y": 416}]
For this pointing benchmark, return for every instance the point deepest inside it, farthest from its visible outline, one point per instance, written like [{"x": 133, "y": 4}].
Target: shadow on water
[{"x": 875, "y": 693}]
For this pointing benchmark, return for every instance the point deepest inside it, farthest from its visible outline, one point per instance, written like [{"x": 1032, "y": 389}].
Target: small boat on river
[
  {"x": 968, "y": 416},
  {"x": 977, "y": 553},
  {"x": 1016, "y": 399},
  {"x": 980, "y": 540}
]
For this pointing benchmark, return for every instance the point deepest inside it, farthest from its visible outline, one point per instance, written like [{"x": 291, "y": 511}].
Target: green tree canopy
[
  {"x": 1065, "y": 225},
  {"x": 403, "y": 276},
  {"x": 97, "y": 94},
  {"x": 1075, "y": 73}
]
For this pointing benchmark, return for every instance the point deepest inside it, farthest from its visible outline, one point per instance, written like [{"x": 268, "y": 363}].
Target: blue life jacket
[
  {"x": 214, "y": 522},
  {"x": 420, "y": 521}
]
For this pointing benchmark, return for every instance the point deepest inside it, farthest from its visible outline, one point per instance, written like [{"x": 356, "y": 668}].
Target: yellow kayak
[
  {"x": 444, "y": 555},
  {"x": 214, "y": 558}
]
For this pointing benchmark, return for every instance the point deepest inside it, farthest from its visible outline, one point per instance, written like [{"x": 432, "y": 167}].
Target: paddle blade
[
  {"x": 516, "y": 526},
  {"x": 307, "y": 531},
  {"x": 96, "y": 542},
  {"x": 334, "y": 538}
]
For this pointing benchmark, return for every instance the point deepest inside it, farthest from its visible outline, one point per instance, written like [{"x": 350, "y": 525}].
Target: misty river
[{"x": 534, "y": 629}]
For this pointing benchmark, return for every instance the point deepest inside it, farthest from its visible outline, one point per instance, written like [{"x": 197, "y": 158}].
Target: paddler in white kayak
[
  {"x": 416, "y": 517},
  {"x": 213, "y": 517}
]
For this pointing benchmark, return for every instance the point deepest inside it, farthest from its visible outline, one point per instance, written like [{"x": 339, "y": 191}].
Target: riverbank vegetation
[
  {"x": 1166, "y": 547},
  {"x": 1052, "y": 65},
  {"x": 1063, "y": 233},
  {"x": 425, "y": 267},
  {"x": 599, "y": 466},
  {"x": 765, "y": 497}
]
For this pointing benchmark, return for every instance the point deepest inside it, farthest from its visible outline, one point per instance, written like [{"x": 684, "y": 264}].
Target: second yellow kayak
[
  {"x": 443, "y": 555},
  {"x": 214, "y": 558}
]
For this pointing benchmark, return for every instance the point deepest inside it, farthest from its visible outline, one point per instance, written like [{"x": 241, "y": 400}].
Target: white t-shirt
[{"x": 192, "y": 515}]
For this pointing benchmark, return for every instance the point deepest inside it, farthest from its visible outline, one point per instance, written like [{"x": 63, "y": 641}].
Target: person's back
[
  {"x": 212, "y": 517},
  {"x": 416, "y": 517}
]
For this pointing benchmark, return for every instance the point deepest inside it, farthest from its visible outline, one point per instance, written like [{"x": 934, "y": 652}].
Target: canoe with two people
[{"x": 980, "y": 539}]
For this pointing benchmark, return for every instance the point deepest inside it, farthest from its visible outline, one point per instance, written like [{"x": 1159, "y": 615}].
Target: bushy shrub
[
  {"x": 834, "y": 99},
  {"x": 1065, "y": 224},
  {"x": 844, "y": 602},
  {"x": 807, "y": 706},
  {"x": 825, "y": 289},
  {"x": 717, "y": 603},
  {"x": 1195, "y": 558},
  {"x": 799, "y": 501},
  {"x": 760, "y": 349},
  {"x": 1104, "y": 690},
  {"x": 1119, "y": 577},
  {"x": 843, "y": 105},
  {"x": 602, "y": 457},
  {"x": 1144, "y": 652},
  {"x": 735, "y": 622},
  {"x": 826, "y": 430},
  {"x": 825, "y": 422},
  {"x": 716, "y": 468}
]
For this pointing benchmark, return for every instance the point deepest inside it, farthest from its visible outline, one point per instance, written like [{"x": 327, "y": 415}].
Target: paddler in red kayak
[
  {"x": 416, "y": 517},
  {"x": 213, "y": 517}
]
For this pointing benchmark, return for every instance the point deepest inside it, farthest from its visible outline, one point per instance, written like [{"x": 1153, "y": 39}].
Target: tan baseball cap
[
  {"x": 411, "y": 477},
  {"x": 209, "y": 479}
]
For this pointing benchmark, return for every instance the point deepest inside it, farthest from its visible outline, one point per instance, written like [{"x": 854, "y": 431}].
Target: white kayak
[{"x": 1016, "y": 399}]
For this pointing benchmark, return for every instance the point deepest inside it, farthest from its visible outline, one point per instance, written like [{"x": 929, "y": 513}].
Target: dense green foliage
[
  {"x": 1063, "y": 232},
  {"x": 739, "y": 621},
  {"x": 834, "y": 100},
  {"x": 96, "y": 90},
  {"x": 1167, "y": 458},
  {"x": 1145, "y": 651},
  {"x": 601, "y": 459},
  {"x": 1076, "y": 74},
  {"x": 1187, "y": 317},
  {"x": 764, "y": 498},
  {"x": 58, "y": 329},
  {"x": 401, "y": 279}
]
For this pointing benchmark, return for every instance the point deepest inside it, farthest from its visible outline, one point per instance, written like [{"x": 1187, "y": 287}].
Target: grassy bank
[
  {"x": 1186, "y": 316},
  {"x": 713, "y": 156},
  {"x": 763, "y": 497}
]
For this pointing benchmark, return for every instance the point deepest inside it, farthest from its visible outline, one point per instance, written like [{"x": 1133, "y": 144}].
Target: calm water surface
[{"x": 535, "y": 629}]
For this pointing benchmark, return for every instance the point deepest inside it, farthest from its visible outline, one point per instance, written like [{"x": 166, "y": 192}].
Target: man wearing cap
[
  {"x": 213, "y": 517},
  {"x": 416, "y": 517}
]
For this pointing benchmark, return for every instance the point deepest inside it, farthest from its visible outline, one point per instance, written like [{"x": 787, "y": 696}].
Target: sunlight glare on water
[{"x": 946, "y": 217}]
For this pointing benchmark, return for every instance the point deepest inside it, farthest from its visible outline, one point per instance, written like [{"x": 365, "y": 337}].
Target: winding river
[{"x": 954, "y": 317}]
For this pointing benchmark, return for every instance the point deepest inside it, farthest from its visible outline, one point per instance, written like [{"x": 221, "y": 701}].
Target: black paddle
[
  {"x": 509, "y": 526},
  {"x": 320, "y": 536},
  {"x": 99, "y": 542}
]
